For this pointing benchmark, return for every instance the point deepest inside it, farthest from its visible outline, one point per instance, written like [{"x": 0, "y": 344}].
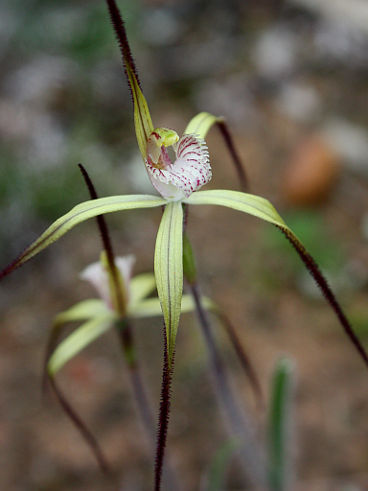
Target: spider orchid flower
[
  {"x": 178, "y": 181},
  {"x": 98, "y": 315}
]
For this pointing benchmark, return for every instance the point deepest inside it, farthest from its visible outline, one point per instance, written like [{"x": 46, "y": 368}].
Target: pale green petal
[
  {"x": 79, "y": 339},
  {"x": 169, "y": 269},
  {"x": 151, "y": 307},
  {"x": 248, "y": 203},
  {"x": 141, "y": 286},
  {"x": 87, "y": 309},
  {"x": 80, "y": 213},
  {"x": 201, "y": 124}
]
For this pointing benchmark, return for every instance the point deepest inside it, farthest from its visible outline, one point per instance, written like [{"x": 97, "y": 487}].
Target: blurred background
[{"x": 290, "y": 76}]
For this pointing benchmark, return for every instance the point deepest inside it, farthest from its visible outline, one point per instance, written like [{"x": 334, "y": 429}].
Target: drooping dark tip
[
  {"x": 10, "y": 267},
  {"x": 119, "y": 28},
  {"x": 322, "y": 283},
  {"x": 81, "y": 427},
  {"x": 164, "y": 415},
  {"x": 242, "y": 176}
]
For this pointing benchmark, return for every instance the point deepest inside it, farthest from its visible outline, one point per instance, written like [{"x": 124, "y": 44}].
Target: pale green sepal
[
  {"x": 151, "y": 307},
  {"x": 248, "y": 203},
  {"x": 169, "y": 269},
  {"x": 87, "y": 309},
  {"x": 141, "y": 286},
  {"x": 142, "y": 118},
  {"x": 79, "y": 339},
  {"x": 84, "y": 211},
  {"x": 201, "y": 124}
]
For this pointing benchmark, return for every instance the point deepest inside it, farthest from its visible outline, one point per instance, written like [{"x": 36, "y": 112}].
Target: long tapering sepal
[
  {"x": 169, "y": 270},
  {"x": 78, "y": 214},
  {"x": 142, "y": 118}
]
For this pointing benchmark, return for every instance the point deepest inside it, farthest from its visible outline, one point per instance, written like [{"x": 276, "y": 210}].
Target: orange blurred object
[{"x": 311, "y": 172}]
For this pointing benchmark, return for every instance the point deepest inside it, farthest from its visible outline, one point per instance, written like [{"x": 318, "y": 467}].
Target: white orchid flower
[
  {"x": 99, "y": 314},
  {"x": 98, "y": 276}
]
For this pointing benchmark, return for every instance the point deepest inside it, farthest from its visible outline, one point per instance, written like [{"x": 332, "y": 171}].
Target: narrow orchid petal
[
  {"x": 261, "y": 208},
  {"x": 78, "y": 340},
  {"x": 248, "y": 203},
  {"x": 169, "y": 270},
  {"x": 142, "y": 118},
  {"x": 78, "y": 214},
  {"x": 201, "y": 124},
  {"x": 151, "y": 307},
  {"x": 189, "y": 172},
  {"x": 141, "y": 286}
]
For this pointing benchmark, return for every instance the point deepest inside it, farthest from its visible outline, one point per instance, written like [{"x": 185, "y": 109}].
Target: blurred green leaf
[
  {"x": 279, "y": 426},
  {"x": 217, "y": 472}
]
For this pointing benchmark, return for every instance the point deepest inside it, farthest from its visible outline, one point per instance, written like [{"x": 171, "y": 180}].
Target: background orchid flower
[{"x": 98, "y": 315}]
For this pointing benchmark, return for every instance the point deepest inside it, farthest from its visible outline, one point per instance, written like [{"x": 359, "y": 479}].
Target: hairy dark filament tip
[
  {"x": 322, "y": 283},
  {"x": 164, "y": 415},
  {"x": 119, "y": 28}
]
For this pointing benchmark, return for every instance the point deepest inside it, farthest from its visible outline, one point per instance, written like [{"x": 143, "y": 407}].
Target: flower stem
[{"x": 238, "y": 423}]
